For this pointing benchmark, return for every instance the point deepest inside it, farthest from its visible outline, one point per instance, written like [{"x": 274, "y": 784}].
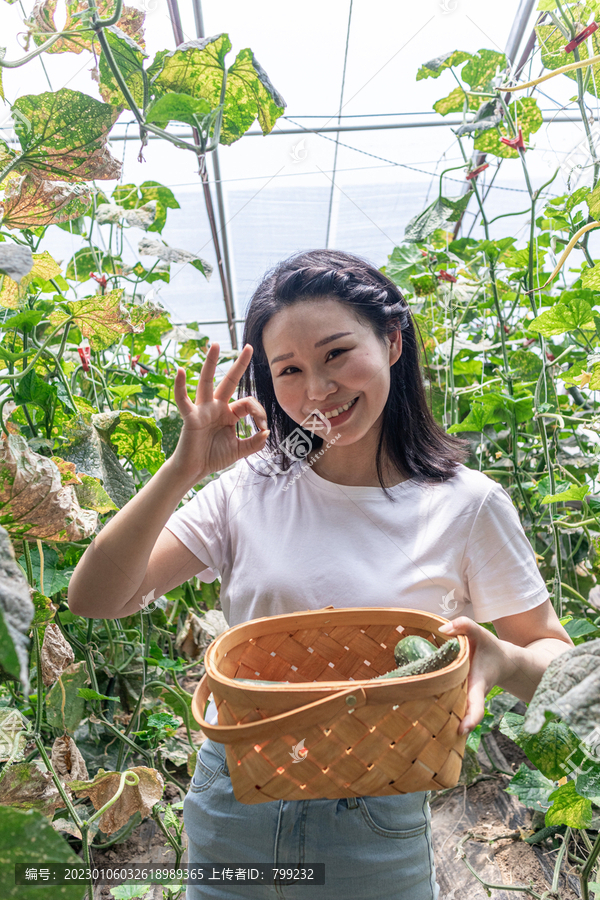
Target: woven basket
[{"x": 352, "y": 736}]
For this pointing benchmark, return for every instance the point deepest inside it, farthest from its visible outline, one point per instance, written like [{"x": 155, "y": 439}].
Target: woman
[{"x": 347, "y": 494}]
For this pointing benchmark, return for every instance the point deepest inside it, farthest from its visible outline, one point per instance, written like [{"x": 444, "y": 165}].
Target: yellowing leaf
[
  {"x": 30, "y": 201},
  {"x": 11, "y": 293},
  {"x": 135, "y": 798},
  {"x": 64, "y": 134},
  {"x": 101, "y": 318},
  {"x": 527, "y": 116}
]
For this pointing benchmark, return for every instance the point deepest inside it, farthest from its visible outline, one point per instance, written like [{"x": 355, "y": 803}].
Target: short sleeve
[
  {"x": 201, "y": 524},
  {"x": 499, "y": 566}
]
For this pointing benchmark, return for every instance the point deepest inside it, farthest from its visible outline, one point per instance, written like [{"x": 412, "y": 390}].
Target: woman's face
[{"x": 322, "y": 358}]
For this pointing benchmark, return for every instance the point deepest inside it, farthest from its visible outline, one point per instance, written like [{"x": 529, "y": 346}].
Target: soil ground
[{"x": 482, "y": 808}]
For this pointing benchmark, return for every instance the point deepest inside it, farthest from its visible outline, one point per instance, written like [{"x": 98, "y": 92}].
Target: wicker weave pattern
[{"x": 361, "y": 737}]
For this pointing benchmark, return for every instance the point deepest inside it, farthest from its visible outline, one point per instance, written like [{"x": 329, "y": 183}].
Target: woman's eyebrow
[{"x": 321, "y": 343}]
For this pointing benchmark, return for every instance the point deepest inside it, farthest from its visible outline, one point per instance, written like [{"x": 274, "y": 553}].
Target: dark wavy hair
[{"x": 410, "y": 437}]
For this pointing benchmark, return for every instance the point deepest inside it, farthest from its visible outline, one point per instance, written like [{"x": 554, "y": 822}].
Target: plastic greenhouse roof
[{"x": 277, "y": 187}]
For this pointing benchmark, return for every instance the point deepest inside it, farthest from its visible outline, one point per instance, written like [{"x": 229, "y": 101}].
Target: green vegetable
[
  {"x": 443, "y": 656},
  {"x": 411, "y": 648}
]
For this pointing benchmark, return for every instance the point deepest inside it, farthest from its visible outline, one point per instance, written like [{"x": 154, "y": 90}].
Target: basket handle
[{"x": 311, "y": 714}]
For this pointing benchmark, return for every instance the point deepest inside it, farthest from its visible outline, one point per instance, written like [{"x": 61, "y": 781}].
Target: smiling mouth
[{"x": 337, "y": 412}]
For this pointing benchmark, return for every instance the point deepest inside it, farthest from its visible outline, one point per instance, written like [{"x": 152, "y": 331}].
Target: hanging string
[{"x": 337, "y": 137}]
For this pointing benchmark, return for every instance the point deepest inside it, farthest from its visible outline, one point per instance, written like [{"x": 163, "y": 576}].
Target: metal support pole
[
  {"x": 198, "y": 18},
  {"x": 225, "y": 284}
]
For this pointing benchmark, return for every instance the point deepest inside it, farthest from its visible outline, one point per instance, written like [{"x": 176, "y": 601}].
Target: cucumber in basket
[
  {"x": 423, "y": 660},
  {"x": 441, "y": 657},
  {"x": 411, "y": 648}
]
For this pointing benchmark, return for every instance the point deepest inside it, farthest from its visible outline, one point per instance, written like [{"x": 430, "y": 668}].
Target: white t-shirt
[
  {"x": 293, "y": 541},
  {"x": 281, "y": 548}
]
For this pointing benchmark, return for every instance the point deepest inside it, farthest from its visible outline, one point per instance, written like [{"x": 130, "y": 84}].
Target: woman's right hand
[{"x": 208, "y": 441}]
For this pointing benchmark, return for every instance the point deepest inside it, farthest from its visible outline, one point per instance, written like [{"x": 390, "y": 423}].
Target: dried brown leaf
[
  {"x": 30, "y": 201},
  {"x": 42, "y": 24},
  {"x": 68, "y": 761},
  {"x": 26, "y": 787},
  {"x": 33, "y": 500},
  {"x": 57, "y": 654},
  {"x": 135, "y": 798}
]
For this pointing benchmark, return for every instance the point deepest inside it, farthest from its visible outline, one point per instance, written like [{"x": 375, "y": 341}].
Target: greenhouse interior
[{"x": 294, "y": 299}]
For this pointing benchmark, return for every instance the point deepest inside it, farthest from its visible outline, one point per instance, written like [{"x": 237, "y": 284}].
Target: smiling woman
[
  {"x": 361, "y": 501},
  {"x": 332, "y": 335}
]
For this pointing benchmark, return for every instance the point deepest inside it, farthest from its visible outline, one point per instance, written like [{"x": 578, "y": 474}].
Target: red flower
[
  {"x": 476, "y": 171},
  {"x": 102, "y": 280},
  {"x": 529, "y": 342},
  {"x": 85, "y": 357},
  {"x": 581, "y": 37},
  {"x": 136, "y": 362},
  {"x": 550, "y": 356},
  {"x": 446, "y": 276},
  {"x": 516, "y": 143}
]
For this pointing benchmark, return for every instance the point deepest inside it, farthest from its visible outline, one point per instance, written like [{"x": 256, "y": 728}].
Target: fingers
[
  {"x": 204, "y": 390},
  {"x": 226, "y": 387},
  {"x": 249, "y": 406},
  {"x": 184, "y": 404},
  {"x": 253, "y": 444}
]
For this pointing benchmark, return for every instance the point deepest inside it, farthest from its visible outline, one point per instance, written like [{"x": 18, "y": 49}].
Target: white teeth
[{"x": 339, "y": 410}]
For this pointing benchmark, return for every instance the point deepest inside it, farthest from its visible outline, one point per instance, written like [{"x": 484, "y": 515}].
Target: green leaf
[
  {"x": 437, "y": 214},
  {"x": 564, "y": 316},
  {"x": 590, "y": 278},
  {"x": 578, "y": 627},
  {"x": 593, "y": 203},
  {"x": 89, "y": 694},
  {"x": 33, "y": 389},
  {"x": 403, "y": 262},
  {"x": 92, "y": 259},
  {"x": 525, "y": 364},
  {"x": 130, "y": 196},
  {"x": 482, "y": 413},
  {"x": 130, "y": 891},
  {"x": 178, "y": 108},
  {"x": 64, "y": 134},
  {"x": 20, "y": 830},
  {"x": 55, "y": 579},
  {"x": 531, "y": 787},
  {"x": 573, "y": 492},
  {"x": 569, "y": 808},
  {"x": 130, "y": 60},
  {"x": 549, "y": 750},
  {"x": 435, "y": 67},
  {"x": 526, "y": 114},
  {"x": 65, "y": 707}
]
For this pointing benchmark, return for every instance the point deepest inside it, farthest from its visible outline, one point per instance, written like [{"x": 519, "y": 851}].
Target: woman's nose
[{"x": 319, "y": 387}]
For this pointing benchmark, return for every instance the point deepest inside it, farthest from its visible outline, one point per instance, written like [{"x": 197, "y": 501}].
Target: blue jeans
[{"x": 371, "y": 846}]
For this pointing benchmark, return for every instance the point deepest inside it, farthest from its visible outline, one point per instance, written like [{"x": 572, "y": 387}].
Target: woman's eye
[
  {"x": 289, "y": 368},
  {"x": 337, "y": 350}
]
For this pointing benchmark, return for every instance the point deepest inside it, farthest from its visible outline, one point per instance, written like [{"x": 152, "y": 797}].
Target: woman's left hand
[{"x": 487, "y": 660}]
